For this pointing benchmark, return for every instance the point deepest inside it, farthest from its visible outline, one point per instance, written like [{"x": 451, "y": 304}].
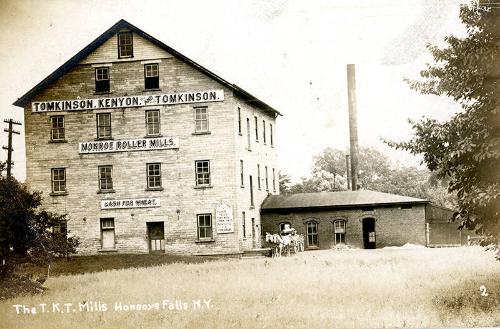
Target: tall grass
[{"x": 323, "y": 289}]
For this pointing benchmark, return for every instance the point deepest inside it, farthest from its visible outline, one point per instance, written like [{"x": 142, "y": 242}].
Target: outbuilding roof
[
  {"x": 341, "y": 199},
  {"x": 123, "y": 24}
]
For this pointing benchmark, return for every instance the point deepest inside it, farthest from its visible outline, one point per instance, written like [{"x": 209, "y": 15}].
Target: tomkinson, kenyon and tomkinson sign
[
  {"x": 127, "y": 145},
  {"x": 128, "y": 101}
]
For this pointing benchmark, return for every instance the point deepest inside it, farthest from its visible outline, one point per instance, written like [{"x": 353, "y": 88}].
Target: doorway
[
  {"x": 369, "y": 236},
  {"x": 156, "y": 237},
  {"x": 253, "y": 233}
]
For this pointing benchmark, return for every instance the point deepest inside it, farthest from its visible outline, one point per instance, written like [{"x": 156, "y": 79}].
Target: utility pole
[{"x": 9, "y": 148}]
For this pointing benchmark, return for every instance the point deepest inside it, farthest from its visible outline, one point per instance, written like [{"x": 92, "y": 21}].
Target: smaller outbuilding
[{"x": 362, "y": 219}]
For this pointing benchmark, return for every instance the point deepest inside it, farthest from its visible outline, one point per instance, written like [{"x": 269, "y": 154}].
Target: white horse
[{"x": 276, "y": 244}]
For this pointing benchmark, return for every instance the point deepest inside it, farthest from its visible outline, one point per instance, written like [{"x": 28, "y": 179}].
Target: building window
[
  {"x": 244, "y": 221},
  {"x": 339, "y": 231},
  {"x": 248, "y": 134},
  {"x": 312, "y": 234},
  {"x": 267, "y": 180},
  {"x": 258, "y": 176},
  {"x": 125, "y": 45},
  {"x": 264, "y": 131},
  {"x": 103, "y": 125},
  {"x": 256, "y": 129},
  {"x": 274, "y": 181},
  {"x": 239, "y": 121},
  {"x": 204, "y": 226},
  {"x": 102, "y": 80},
  {"x": 154, "y": 175},
  {"x": 58, "y": 180},
  {"x": 151, "y": 76},
  {"x": 242, "y": 180},
  {"x": 251, "y": 191},
  {"x": 201, "y": 119},
  {"x": 153, "y": 122},
  {"x": 57, "y": 128},
  {"x": 108, "y": 233},
  {"x": 105, "y": 178},
  {"x": 202, "y": 172},
  {"x": 271, "y": 133},
  {"x": 60, "y": 228},
  {"x": 284, "y": 225}
]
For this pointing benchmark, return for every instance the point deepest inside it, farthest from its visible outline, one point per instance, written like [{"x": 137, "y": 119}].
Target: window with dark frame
[
  {"x": 248, "y": 134},
  {"x": 339, "y": 230},
  {"x": 312, "y": 234},
  {"x": 102, "y": 80},
  {"x": 258, "y": 176},
  {"x": 152, "y": 122},
  {"x": 125, "y": 45},
  {"x": 251, "y": 191},
  {"x": 202, "y": 169},
  {"x": 60, "y": 227},
  {"x": 244, "y": 221},
  {"x": 151, "y": 76},
  {"x": 264, "y": 131},
  {"x": 371, "y": 237},
  {"x": 242, "y": 180},
  {"x": 204, "y": 226},
  {"x": 239, "y": 121},
  {"x": 271, "y": 133},
  {"x": 256, "y": 129},
  {"x": 154, "y": 175},
  {"x": 57, "y": 132},
  {"x": 58, "y": 180},
  {"x": 103, "y": 125},
  {"x": 267, "y": 180},
  {"x": 105, "y": 178},
  {"x": 201, "y": 119}
]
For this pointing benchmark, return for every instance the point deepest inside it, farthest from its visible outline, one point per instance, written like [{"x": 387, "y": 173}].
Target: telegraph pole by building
[{"x": 9, "y": 148}]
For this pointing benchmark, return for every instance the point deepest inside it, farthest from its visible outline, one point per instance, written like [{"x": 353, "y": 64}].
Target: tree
[
  {"x": 465, "y": 150},
  {"x": 25, "y": 229}
]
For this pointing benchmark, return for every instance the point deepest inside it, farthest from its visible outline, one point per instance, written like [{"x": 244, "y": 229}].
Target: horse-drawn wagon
[{"x": 287, "y": 241}]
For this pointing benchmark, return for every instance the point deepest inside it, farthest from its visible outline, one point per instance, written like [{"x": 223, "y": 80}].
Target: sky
[{"x": 290, "y": 54}]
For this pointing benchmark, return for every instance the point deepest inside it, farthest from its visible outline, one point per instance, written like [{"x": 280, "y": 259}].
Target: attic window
[{"x": 125, "y": 45}]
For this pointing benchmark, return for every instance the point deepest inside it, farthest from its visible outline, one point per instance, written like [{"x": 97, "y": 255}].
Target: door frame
[
  {"x": 148, "y": 231},
  {"x": 368, "y": 226}
]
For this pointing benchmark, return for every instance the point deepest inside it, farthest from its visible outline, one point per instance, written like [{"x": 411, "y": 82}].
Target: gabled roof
[
  {"x": 342, "y": 199},
  {"x": 123, "y": 24}
]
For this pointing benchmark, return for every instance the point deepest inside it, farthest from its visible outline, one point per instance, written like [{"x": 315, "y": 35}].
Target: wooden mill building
[{"x": 146, "y": 150}]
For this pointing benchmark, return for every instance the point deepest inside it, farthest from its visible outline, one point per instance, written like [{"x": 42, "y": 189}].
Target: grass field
[{"x": 323, "y": 289}]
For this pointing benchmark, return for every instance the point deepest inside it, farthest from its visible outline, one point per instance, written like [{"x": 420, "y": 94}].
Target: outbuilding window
[
  {"x": 152, "y": 122},
  {"x": 154, "y": 175},
  {"x": 105, "y": 178},
  {"x": 204, "y": 226},
  {"x": 151, "y": 76},
  {"x": 312, "y": 234},
  {"x": 58, "y": 180},
  {"x": 103, "y": 125},
  {"x": 102, "y": 80},
  {"x": 125, "y": 45},
  {"x": 339, "y": 230},
  {"x": 202, "y": 169},
  {"x": 57, "y": 132},
  {"x": 284, "y": 225}
]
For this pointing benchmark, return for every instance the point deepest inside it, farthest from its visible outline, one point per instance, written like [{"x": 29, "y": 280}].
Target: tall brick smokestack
[{"x": 353, "y": 124}]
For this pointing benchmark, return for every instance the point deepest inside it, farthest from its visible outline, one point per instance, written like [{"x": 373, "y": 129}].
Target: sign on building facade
[
  {"x": 130, "y": 203},
  {"x": 224, "y": 218},
  {"x": 129, "y": 101},
  {"x": 127, "y": 145}
]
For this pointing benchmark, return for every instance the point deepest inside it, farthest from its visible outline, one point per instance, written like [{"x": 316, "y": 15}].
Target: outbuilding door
[
  {"x": 156, "y": 236},
  {"x": 369, "y": 236}
]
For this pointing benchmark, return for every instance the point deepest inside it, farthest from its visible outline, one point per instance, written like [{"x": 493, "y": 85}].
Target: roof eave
[{"x": 349, "y": 206}]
